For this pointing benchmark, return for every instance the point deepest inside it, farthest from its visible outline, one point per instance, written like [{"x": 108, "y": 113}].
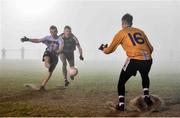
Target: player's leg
[
  {"x": 128, "y": 70},
  {"x": 46, "y": 60},
  {"x": 144, "y": 68},
  {"x": 64, "y": 68},
  {"x": 45, "y": 80},
  {"x": 70, "y": 58},
  {"x": 53, "y": 62}
]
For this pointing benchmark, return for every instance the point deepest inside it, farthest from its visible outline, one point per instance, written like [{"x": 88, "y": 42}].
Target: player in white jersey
[{"x": 55, "y": 46}]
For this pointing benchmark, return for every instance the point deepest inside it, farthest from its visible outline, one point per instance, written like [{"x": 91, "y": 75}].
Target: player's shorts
[
  {"x": 69, "y": 57},
  {"x": 131, "y": 66},
  {"x": 53, "y": 60}
]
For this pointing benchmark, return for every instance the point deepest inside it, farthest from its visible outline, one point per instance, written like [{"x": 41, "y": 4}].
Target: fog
[{"x": 93, "y": 22}]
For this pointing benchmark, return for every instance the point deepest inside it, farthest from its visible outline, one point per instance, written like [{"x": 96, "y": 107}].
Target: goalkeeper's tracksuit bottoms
[{"x": 130, "y": 69}]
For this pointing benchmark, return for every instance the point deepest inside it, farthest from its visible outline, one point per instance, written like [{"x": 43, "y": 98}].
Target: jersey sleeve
[
  {"x": 115, "y": 43},
  {"x": 44, "y": 39}
]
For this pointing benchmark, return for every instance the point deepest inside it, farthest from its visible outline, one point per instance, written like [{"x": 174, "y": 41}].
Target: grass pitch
[{"x": 87, "y": 95}]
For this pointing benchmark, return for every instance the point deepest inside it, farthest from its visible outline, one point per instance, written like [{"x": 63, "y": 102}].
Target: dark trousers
[{"x": 130, "y": 69}]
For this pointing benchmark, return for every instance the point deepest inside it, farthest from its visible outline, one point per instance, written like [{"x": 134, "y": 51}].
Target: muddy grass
[
  {"x": 58, "y": 102},
  {"x": 86, "y": 96}
]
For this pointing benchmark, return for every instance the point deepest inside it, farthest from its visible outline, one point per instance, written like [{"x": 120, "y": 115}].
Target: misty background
[{"x": 93, "y": 22}]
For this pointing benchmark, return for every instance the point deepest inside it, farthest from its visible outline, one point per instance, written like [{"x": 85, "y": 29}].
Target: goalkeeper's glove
[
  {"x": 103, "y": 46},
  {"x": 24, "y": 39}
]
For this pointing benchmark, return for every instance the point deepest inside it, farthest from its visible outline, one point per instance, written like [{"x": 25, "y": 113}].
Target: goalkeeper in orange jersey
[{"x": 139, "y": 50}]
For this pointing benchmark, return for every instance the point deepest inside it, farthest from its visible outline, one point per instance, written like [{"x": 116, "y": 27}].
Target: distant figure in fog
[{"x": 3, "y": 53}]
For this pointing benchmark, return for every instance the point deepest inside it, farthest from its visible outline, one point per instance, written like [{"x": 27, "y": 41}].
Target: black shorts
[
  {"x": 130, "y": 69},
  {"x": 69, "y": 55},
  {"x": 132, "y": 66},
  {"x": 70, "y": 58},
  {"x": 53, "y": 60}
]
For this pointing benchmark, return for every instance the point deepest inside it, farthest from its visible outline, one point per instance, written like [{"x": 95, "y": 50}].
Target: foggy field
[
  {"x": 87, "y": 94},
  {"x": 93, "y": 22}
]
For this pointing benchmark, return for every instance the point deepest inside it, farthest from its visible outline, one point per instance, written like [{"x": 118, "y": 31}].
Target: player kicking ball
[
  {"x": 70, "y": 44},
  {"x": 55, "y": 46},
  {"x": 138, "y": 49}
]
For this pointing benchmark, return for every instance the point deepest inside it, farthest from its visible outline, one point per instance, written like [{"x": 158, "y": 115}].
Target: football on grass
[{"x": 72, "y": 71}]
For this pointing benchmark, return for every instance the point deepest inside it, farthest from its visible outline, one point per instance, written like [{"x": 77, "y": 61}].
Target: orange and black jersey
[{"x": 134, "y": 42}]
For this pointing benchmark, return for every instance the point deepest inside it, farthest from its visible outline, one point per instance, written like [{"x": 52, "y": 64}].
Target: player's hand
[
  {"x": 81, "y": 57},
  {"x": 24, "y": 39},
  {"x": 103, "y": 46}
]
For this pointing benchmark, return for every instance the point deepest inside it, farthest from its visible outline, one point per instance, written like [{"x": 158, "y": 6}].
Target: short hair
[
  {"x": 52, "y": 27},
  {"x": 67, "y": 27},
  {"x": 128, "y": 18}
]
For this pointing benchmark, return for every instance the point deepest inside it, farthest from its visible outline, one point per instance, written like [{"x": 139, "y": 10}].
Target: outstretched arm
[
  {"x": 114, "y": 44},
  {"x": 34, "y": 40}
]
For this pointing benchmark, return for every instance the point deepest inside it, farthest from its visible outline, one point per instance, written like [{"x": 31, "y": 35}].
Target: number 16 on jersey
[{"x": 136, "y": 38}]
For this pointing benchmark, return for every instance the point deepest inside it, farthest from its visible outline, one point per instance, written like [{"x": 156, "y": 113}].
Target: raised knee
[{"x": 47, "y": 65}]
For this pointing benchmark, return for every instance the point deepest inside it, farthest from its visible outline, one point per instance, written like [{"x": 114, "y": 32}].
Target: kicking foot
[
  {"x": 42, "y": 88},
  {"x": 148, "y": 101},
  {"x": 66, "y": 83},
  {"x": 47, "y": 65},
  {"x": 120, "y": 108}
]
